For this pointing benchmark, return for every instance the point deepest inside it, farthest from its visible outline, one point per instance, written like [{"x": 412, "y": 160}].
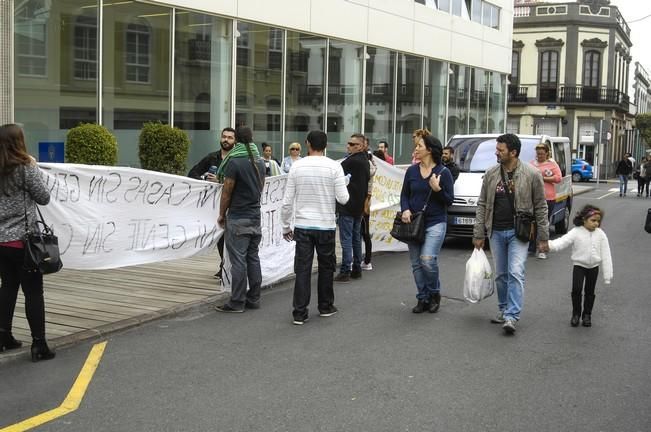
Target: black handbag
[
  {"x": 413, "y": 232},
  {"x": 41, "y": 245},
  {"x": 647, "y": 224},
  {"x": 524, "y": 223}
]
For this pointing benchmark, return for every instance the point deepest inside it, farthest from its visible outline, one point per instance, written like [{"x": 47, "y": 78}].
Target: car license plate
[{"x": 464, "y": 221}]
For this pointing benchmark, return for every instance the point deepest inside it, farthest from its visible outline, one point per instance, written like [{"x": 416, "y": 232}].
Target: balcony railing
[
  {"x": 518, "y": 94},
  {"x": 548, "y": 94},
  {"x": 594, "y": 96}
]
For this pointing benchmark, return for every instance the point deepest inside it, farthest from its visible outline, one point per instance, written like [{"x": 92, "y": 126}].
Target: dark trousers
[
  {"x": 366, "y": 236},
  {"x": 579, "y": 276},
  {"x": 242, "y": 243},
  {"x": 13, "y": 275},
  {"x": 220, "y": 249},
  {"x": 306, "y": 242}
]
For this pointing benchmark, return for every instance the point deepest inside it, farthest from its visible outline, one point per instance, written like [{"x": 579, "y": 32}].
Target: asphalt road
[{"x": 375, "y": 366}]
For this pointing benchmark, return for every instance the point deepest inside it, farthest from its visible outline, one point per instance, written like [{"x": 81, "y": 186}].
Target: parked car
[
  {"x": 474, "y": 154},
  {"x": 581, "y": 170}
]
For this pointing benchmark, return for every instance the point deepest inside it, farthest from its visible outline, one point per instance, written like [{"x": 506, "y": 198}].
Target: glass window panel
[
  {"x": 30, "y": 39},
  {"x": 515, "y": 67},
  {"x": 495, "y": 17},
  {"x": 48, "y": 98},
  {"x": 444, "y": 5},
  {"x": 135, "y": 93},
  {"x": 408, "y": 105},
  {"x": 476, "y": 10},
  {"x": 305, "y": 88},
  {"x": 344, "y": 95},
  {"x": 458, "y": 103},
  {"x": 202, "y": 83},
  {"x": 478, "y": 101},
  {"x": 258, "y": 88},
  {"x": 486, "y": 14},
  {"x": 436, "y": 76},
  {"x": 497, "y": 95},
  {"x": 380, "y": 85}
]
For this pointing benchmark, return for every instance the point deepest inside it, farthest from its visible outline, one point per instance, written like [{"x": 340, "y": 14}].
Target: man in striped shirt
[{"x": 314, "y": 185}]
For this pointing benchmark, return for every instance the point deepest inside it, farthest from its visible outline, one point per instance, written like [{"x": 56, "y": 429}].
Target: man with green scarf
[{"x": 242, "y": 174}]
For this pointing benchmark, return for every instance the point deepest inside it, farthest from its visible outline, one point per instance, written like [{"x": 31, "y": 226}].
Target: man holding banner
[
  {"x": 242, "y": 173},
  {"x": 314, "y": 185},
  {"x": 201, "y": 171}
]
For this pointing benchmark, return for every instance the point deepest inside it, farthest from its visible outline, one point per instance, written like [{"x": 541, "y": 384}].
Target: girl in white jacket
[{"x": 590, "y": 250}]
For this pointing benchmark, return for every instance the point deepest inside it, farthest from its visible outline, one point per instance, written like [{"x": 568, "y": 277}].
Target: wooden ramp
[{"x": 80, "y": 301}]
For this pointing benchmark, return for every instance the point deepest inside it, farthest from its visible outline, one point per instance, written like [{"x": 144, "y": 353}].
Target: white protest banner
[
  {"x": 385, "y": 202},
  {"x": 276, "y": 254},
  {"x": 109, "y": 217}
]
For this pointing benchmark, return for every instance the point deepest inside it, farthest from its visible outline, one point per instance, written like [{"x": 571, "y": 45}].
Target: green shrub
[
  {"x": 91, "y": 144},
  {"x": 163, "y": 148}
]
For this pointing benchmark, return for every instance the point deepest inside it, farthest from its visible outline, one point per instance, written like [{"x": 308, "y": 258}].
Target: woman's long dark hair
[
  {"x": 13, "y": 153},
  {"x": 434, "y": 146}
]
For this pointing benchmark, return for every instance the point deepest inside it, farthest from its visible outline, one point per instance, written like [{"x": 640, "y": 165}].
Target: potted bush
[
  {"x": 91, "y": 144},
  {"x": 163, "y": 148}
]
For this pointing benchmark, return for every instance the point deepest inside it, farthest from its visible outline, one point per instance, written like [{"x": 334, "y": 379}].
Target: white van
[{"x": 474, "y": 154}]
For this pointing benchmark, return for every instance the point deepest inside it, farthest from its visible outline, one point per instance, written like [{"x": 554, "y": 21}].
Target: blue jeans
[
  {"x": 425, "y": 263},
  {"x": 242, "y": 240},
  {"x": 350, "y": 238},
  {"x": 623, "y": 183},
  {"x": 509, "y": 257}
]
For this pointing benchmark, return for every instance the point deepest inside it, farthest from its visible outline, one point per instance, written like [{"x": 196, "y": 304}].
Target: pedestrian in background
[
  {"x": 356, "y": 167},
  {"x": 366, "y": 215},
  {"x": 647, "y": 174},
  {"x": 551, "y": 174},
  {"x": 271, "y": 166},
  {"x": 294, "y": 155},
  {"x": 427, "y": 183},
  {"x": 315, "y": 185},
  {"x": 590, "y": 250},
  {"x": 624, "y": 169},
  {"x": 383, "y": 147},
  {"x": 21, "y": 188},
  {"x": 509, "y": 188},
  {"x": 242, "y": 173},
  {"x": 448, "y": 161}
]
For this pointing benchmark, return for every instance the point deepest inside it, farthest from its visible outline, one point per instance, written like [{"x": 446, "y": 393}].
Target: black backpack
[{"x": 647, "y": 224}]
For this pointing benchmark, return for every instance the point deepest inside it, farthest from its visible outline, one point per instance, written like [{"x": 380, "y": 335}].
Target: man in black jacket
[
  {"x": 201, "y": 172},
  {"x": 448, "y": 160},
  {"x": 356, "y": 168}
]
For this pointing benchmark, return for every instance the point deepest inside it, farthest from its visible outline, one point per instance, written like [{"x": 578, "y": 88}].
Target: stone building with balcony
[{"x": 570, "y": 76}]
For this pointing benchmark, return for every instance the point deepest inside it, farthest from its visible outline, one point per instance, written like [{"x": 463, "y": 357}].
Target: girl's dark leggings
[{"x": 579, "y": 276}]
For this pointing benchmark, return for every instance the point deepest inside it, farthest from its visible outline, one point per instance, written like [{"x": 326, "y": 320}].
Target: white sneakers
[
  {"x": 368, "y": 266},
  {"x": 541, "y": 255}
]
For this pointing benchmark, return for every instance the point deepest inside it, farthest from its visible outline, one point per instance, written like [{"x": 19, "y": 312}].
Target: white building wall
[{"x": 397, "y": 24}]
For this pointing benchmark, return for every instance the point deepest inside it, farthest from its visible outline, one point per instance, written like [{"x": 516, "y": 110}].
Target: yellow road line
[{"x": 75, "y": 395}]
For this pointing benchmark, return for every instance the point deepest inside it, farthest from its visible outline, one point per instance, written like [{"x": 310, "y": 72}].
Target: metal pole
[{"x": 598, "y": 152}]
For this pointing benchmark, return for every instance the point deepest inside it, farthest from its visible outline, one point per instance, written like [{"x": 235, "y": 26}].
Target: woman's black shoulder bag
[
  {"x": 413, "y": 232},
  {"x": 41, "y": 245}
]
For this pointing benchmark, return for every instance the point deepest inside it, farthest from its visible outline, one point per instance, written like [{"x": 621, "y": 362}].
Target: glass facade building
[{"x": 124, "y": 63}]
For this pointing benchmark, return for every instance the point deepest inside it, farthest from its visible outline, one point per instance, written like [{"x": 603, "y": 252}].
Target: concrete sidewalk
[{"x": 86, "y": 305}]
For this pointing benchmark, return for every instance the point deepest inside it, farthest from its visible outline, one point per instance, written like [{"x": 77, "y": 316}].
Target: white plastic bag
[{"x": 478, "y": 283}]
